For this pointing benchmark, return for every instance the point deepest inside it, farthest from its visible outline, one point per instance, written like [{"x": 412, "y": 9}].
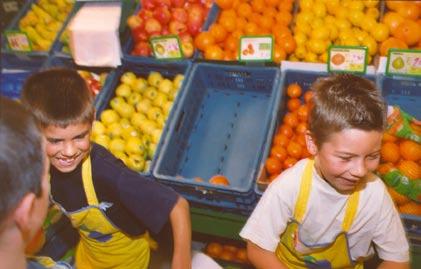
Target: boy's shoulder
[{"x": 289, "y": 180}]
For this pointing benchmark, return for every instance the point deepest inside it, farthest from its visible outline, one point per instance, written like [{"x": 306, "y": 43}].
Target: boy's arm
[
  {"x": 262, "y": 258},
  {"x": 393, "y": 265},
  {"x": 181, "y": 227}
]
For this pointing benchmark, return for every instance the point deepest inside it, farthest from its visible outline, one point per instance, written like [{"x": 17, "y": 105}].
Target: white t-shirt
[{"x": 377, "y": 219}]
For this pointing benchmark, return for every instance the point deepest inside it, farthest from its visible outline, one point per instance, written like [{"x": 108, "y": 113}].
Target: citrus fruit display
[
  {"x": 227, "y": 252},
  {"x": 401, "y": 158},
  {"x": 132, "y": 125},
  {"x": 243, "y": 17},
  {"x": 319, "y": 24},
  {"x": 403, "y": 19},
  {"x": 288, "y": 143}
]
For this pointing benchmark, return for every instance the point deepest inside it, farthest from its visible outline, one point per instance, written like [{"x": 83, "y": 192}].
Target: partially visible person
[
  {"x": 24, "y": 187},
  {"x": 111, "y": 206},
  {"x": 331, "y": 210}
]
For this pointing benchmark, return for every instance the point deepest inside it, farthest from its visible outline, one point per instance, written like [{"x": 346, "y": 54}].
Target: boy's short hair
[
  {"x": 345, "y": 102},
  {"x": 21, "y": 155},
  {"x": 58, "y": 97}
]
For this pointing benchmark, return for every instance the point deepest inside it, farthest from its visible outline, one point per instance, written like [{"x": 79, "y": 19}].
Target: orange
[
  {"x": 410, "y": 150},
  {"x": 291, "y": 119},
  {"x": 241, "y": 255},
  {"x": 280, "y": 140},
  {"x": 214, "y": 52},
  {"x": 410, "y": 169},
  {"x": 392, "y": 20},
  {"x": 228, "y": 13},
  {"x": 308, "y": 96},
  {"x": 270, "y": 12},
  {"x": 279, "y": 31},
  {"x": 409, "y": 32},
  {"x": 214, "y": 249},
  {"x": 287, "y": 43},
  {"x": 203, "y": 40},
  {"x": 286, "y": 5},
  {"x": 300, "y": 139},
  {"x": 265, "y": 22},
  {"x": 283, "y": 17},
  {"x": 294, "y": 149},
  {"x": 258, "y": 5},
  {"x": 273, "y": 166},
  {"x": 398, "y": 198},
  {"x": 279, "y": 153},
  {"x": 219, "y": 180},
  {"x": 394, "y": 5},
  {"x": 231, "y": 44},
  {"x": 279, "y": 54},
  {"x": 294, "y": 90},
  {"x": 229, "y": 23},
  {"x": 251, "y": 28},
  {"x": 301, "y": 128},
  {"x": 302, "y": 113},
  {"x": 384, "y": 168},
  {"x": 272, "y": 3},
  {"x": 290, "y": 161},
  {"x": 390, "y": 152},
  {"x": 389, "y": 138},
  {"x": 391, "y": 42},
  {"x": 293, "y": 104},
  {"x": 411, "y": 208},
  {"x": 218, "y": 32},
  {"x": 244, "y": 10},
  {"x": 286, "y": 130},
  {"x": 237, "y": 34},
  {"x": 224, "y": 4},
  {"x": 409, "y": 11}
]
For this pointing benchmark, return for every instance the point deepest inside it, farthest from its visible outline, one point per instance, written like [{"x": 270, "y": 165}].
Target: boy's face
[
  {"x": 347, "y": 157},
  {"x": 67, "y": 147}
]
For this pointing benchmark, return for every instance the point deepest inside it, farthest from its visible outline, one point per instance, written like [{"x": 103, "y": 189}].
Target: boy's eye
[
  {"x": 346, "y": 159},
  {"x": 53, "y": 141},
  {"x": 374, "y": 156}
]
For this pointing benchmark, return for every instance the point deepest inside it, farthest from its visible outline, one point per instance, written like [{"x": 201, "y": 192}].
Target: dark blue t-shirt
[{"x": 138, "y": 203}]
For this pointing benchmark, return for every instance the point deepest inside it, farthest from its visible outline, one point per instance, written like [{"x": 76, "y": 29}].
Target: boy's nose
[
  {"x": 359, "y": 169},
  {"x": 69, "y": 149}
]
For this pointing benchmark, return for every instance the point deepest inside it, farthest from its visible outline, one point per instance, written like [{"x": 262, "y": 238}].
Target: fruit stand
[{"x": 213, "y": 127}]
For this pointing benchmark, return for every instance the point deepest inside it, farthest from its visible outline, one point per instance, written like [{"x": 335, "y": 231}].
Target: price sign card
[
  {"x": 347, "y": 59},
  {"x": 256, "y": 48},
  {"x": 404, "y": 62},
  {"x": 18, "y": 41},
  {"x": 166, "y": 47}
]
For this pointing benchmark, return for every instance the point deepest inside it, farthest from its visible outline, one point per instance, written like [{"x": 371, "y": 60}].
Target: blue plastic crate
[
  {"x": 127, "y": 48},
  {"x": 402, "y": 91},
  {"x": 22, "y": 58},
  {"x": 304, "y": 79},
  {"x": 220, "y": 127},
  {"x": 143, "y": 68},
  {"x": 57, "y": 61}
]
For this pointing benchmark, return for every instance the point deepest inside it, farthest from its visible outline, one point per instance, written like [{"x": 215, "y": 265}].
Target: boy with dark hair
[
  {"x": 111, "y": 206},
  {"x": 328, "y": 211},
  {"x": 24, "y": 185}
]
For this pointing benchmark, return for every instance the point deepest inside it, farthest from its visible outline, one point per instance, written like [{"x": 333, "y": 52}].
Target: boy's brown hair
[
  {"x": 58, "y": 97},
  {"x": 345, "y": 102}
]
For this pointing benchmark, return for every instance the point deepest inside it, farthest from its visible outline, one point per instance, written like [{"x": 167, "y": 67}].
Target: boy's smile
[
  {"x": 347, "y": 157},
  {"x": 67, "y": 147}
]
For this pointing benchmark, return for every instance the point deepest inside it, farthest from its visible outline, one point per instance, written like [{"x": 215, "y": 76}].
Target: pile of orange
[
  {"x": 404, "y": 21},
  {"x": 289, "y": 144},
  {"x": 243, "y": 17},
  {"x": 227, "y": 252},
  {"x": 405, "y": 155}
]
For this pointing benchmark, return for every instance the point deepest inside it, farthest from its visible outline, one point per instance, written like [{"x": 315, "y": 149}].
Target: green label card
[
  {"x": 256, "y": 48},
  {"x": 166, "y": 47},
  {"x": 404, "y": 62},
  {"x": 347, "y": 59},
  {"x": 18, "y": 41}
]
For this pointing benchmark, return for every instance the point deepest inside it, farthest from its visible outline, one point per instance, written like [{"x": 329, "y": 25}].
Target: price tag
[
  {"x": 347, "y": 59},
  {"x": 256, "y": 48},
  {"x": 166, "y": 47},
  {"x": 404, "y": 62},
  {"x": 18, "y": 41}
]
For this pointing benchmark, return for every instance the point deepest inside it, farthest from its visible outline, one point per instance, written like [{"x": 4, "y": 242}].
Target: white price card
[
  {"x": 166, "y": 47},
  {"x": 256, "y": 48},
  {"x": 18, "y": 41},
  {"x": 404, "y": 62},
  {"x": 347, "y": 59}
]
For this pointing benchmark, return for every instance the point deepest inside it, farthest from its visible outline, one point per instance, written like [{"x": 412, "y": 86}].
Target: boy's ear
[
  {"x": 311, "y": 143},
  {"x": 23, "y": 215}
]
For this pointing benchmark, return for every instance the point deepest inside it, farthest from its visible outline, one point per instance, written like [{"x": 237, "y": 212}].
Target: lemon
[
  {"x": 356, "y": 5},
  {"x": 317, "y": 46},
  {"x": 323, "y": 57},
  {"x": 350, "y": 41},
  {"x": 303, "y": 27},
  {"x": 321, "y": 33},
  {"x": 373, "y": 12},
  {"x": 371, "y": 44},
  {"x": 300, "y": 38},
  {"x": 341, "y": 12},
  {"x": 329, "y": 19},
  {"x": 368, "y": 23},
  {"x": 356, "y": 17},
  {"x": 319, "y": 9},
  {"x": 342, "y": 24},
  {"x": 380, "y": 32},
  {"x": 311, "y": 57},
  {"x": 359, "y": 34},
  {"x": 371, "y": 3},
  {"x": 332, "y": 6},
  {"x": 293, "y": 58},
  {"x": 333, "y": 31},
  {"x": 305, "y": 16},
  {"x": 306, "y": 4},
  {"x": 300, "y": 52},
  {"x": 317, "y": 22}
]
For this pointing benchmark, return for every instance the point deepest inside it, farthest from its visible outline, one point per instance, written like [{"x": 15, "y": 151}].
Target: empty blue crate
[
  {"x": 304, "y": 79},
  {"x": 220, "y": 127},
  {"x": 143, "y": 69},
  {"x": 92, "y": 75}
]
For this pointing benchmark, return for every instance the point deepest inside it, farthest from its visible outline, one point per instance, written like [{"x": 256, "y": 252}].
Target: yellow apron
[
  {"x": 333, "y": 255},
  {"x": 102, "y": 245}
]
